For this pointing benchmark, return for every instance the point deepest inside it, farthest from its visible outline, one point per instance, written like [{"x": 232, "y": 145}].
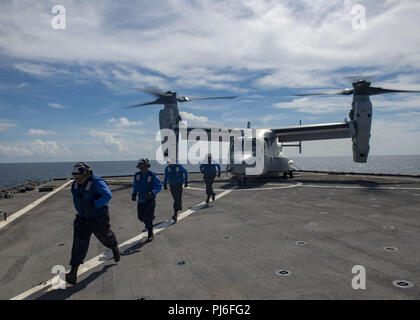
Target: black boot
[
  {"x": 213, "y": 196},
  {"x": 175, "y": 217},
  {"x": 150, "y": 236},
  {"x": 208, "y": 199},
  {"x": 71, "y": 277},
  {"x": 116, "y": 252}
]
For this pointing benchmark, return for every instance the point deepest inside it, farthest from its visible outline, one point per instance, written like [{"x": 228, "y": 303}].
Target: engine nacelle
[
  {"x": 169, "y": 117},
  {"x": 362, "y": 108}
]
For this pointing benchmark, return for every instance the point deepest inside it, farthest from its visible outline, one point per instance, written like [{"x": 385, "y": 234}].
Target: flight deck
[{"x": 274, "y": 239}]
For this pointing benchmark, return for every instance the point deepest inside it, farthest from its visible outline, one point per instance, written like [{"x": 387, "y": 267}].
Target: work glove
[
  {"x": 133, "y": 197},
  {"x": 165, "y": 186},
  {"x": 88, "y": 207},
  {"x": 149, "y": 196},
  {"x": 186, "y": 184}
]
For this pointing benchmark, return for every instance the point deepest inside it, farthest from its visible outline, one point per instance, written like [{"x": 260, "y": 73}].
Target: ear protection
[
  {"x": 81, "y": 170},
  {"x": 143, "y": 163}
]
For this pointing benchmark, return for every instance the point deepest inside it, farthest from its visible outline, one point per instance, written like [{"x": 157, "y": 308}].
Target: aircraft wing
[
  {"x": 216, "y": 130},
  {"x": 327, "y": 131}
]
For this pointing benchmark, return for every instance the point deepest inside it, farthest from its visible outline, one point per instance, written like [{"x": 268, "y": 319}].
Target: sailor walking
[
  {"x": 146, "y": 186},
  {"x": 177, "y": 176},
  {"x": 209, "y": 174}
]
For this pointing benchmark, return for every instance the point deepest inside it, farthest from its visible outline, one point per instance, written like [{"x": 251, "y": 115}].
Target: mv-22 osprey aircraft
[{"x": 358, "y": 128}]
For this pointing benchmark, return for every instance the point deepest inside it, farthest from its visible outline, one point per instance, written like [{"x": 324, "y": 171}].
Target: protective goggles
[
  {"x": 79, "y": 171},
  {"x": 143, "y": 163}
]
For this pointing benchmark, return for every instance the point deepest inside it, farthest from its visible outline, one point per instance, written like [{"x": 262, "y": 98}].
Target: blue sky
[{"x": 61, "y": 90}]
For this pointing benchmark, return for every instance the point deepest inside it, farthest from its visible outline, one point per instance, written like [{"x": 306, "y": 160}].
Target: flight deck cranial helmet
[
  {"x": 81, "y": 170},
  {"x": 171, "y": 161},
  {"x": 143, "y": 164}
]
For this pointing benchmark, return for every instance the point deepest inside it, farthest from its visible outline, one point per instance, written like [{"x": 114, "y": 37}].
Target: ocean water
[
  {"x": 12, "y": 174},
  {"x": 403, "y": 165}
]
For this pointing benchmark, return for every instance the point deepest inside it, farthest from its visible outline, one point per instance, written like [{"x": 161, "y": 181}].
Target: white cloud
[
  {"x": 40, "y": 132},
  {"x": 36, "y": 69},
  {"x": 124, "y": 122},
  {"x": 342, "y": 104},
  {"x": 110, "y": 141},
  {"x": 38, "y": 148},
  {"x": 317, "y": 105},
  {"x": 208, "y": 43},
  {"x": 50, "y": 149},
  {"x": 15, "y": 151},
  {"x": 193, "y": 119},
  {"x": 56, "y": 106},
  {"x": 4, "y": 125}
]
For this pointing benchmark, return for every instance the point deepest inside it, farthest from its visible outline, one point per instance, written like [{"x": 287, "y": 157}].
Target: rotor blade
[
  {"x": 355, "y": 78},
  {"x": 143, "y": 104},
  {"x": 345, "y": 92},
  {"x": 151, "y": 90},
  {"x": 375, "y": 91},
  {"x": 185, "y": 99}
]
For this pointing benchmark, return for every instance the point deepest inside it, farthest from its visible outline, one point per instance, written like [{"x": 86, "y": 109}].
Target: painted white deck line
[{"x": 21, "y": 212}]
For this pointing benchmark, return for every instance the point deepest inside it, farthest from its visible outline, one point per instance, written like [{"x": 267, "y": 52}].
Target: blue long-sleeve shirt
[
  {"x": 95, "y": 192},
  {"x": 209, "y": 169},
  {"x": 144, "y": 183},
  {"x": 175, "y": 174}
]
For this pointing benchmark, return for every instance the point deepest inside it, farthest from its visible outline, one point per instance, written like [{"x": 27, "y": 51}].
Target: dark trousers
[
  {"x": 83, "y": 229},
  {"x": 146, "y": 213},
  {"x": 176, "y": 191},
  {"x": 209, "y": 185}
]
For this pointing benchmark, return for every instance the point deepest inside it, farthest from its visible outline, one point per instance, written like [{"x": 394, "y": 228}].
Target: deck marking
[
  {"x": 404, "y": 284},
  {"x": 107, "y": 255},
  {"x": 302, "y": 184},
  {"x": 356, "y": 187},
  {"x": 21, "y": 212},
  {"x": 253, "y": 189}
]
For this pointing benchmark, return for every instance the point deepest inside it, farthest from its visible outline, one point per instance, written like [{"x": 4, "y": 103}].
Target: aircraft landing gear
[
  {"x": 242, "y": 181},
  {"x": 288, "y": 173}
]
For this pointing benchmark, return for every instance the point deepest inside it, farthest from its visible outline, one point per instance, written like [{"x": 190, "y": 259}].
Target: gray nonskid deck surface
[
  {"x": 233, "y": 248},
  {"x": 20, "y": 200}
]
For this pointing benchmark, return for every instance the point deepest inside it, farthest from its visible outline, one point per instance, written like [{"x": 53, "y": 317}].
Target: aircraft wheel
[
  {"x": 239, "y": 180},
  {"x": 245, "y": 181},
  {"x": 285, "y": 175},
  {"x": 291, "y": 174}
]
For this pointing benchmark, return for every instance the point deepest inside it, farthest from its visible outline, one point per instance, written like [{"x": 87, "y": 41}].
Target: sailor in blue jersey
[
  {"x": 146, "y": 186},
  {"x": 176, "y": 175},
  {"x": 91, "y": 196},
  {"x": 209, "y": 174}
]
